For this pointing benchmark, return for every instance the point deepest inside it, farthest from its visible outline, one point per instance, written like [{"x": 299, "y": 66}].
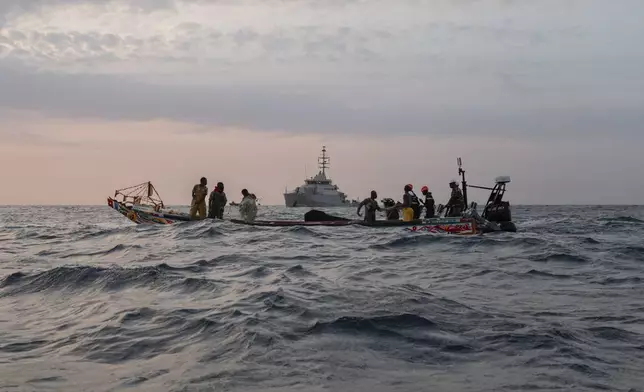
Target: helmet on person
[
  {"x": 424, "y": 189},
  {"x": 408, "y": 187}
]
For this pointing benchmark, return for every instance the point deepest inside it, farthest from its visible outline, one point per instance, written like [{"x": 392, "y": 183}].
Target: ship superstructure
[{"x": 319, "y": 190}]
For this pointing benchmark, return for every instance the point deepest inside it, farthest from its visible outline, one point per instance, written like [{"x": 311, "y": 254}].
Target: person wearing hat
[
  {"x": 456, "y": 202},
  {"x": 429, "y": 203},
  {"x": 410, "y": 205},
  {"x": 217, "y": 201},
  {"x": 391, "y": 209}
]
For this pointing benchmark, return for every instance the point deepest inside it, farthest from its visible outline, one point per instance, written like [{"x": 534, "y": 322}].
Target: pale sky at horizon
[{"x": 98, "y": 95}]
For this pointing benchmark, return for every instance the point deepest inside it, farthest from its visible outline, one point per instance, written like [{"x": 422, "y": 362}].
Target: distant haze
[{"x": 99, "y": 95}]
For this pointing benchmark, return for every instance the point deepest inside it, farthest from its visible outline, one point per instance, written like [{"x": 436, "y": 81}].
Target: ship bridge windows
[{"x": 321, "y": 182}]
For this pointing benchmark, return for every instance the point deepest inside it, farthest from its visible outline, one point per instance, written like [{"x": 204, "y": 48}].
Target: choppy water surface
[{"x": 90, "y": 302}]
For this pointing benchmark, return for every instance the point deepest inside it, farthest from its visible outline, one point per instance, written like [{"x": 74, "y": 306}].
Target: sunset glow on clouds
[{"x": 549, "y": 92}]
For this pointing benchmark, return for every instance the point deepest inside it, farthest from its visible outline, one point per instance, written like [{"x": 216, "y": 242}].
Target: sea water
[{"x": 92, "y": 302}]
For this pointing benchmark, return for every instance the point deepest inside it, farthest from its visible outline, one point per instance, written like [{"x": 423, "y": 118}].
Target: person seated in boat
[
  {"x": 247, "y": 207},
  {"x": 217, "y": 202},
  {"x": 410, "y": 205},
  {"x": 430, "y": 208},
  {"x": 370, "y": 205},
  {"x": 391, "y": 209},
  {"x": 456, "y": 202},
  {"x": 198, "y": 205}
]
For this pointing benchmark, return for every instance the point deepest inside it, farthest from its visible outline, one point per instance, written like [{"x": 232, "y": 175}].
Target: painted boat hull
[
  {"x": 461, "y": 226},
  {"x": 142, "y": 215}
]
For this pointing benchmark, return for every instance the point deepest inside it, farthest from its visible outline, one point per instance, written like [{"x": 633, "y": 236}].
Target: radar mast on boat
[{"x": 323, "y": 161}]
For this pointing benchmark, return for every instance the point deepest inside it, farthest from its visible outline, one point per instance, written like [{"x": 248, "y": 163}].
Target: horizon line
[{"x": 282, "y": 205}]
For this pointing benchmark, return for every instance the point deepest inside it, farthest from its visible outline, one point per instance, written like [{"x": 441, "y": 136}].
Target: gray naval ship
[{"x": 318, "y": 191}]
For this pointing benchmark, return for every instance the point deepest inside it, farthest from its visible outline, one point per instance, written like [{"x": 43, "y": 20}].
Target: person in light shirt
[
  {"x": 247, "y": 207},
  {"x": 198, "y": 205}
]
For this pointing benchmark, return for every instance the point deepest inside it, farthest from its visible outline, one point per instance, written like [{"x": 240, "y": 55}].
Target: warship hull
[{"x": 293, "y": 199}]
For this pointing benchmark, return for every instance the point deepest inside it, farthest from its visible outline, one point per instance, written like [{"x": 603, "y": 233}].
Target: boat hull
[
  {"x": 293, "y": 199},
  {"x": 143, "y": 215},
  {"x": 461, "y": 226}
]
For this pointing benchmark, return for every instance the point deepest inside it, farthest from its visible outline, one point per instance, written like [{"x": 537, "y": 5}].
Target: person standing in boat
[
  {"x": 370, "y": 205},
  {"x": 430, "y": 208},
  {"x": 247, "y": 207},
  {"x": 391, "y": 209},
  {"x": 410, "y": 205},
  {"x": 217, "y": 202},
  {"x": 456, "y": 202},
  {"x": 198, "y": 205}
]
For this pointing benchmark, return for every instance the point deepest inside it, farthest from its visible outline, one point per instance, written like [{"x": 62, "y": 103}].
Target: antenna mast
[
  {"x": 323, "y": 161},
  {"x": 461, "y": 173}
]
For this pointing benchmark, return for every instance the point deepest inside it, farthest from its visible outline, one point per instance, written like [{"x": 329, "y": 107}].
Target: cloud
[
  {"x": 275, "y": 108},
  {"x": 536, "y": 90},
  {"x": 18, "y": 7},
  {"x": 274, "y": 32},
  {"x": 517, "y": 70}
]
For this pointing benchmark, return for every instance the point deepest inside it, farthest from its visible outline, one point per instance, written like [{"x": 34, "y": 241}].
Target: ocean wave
[
  {"x": 407, "y": 241},
  {"x": 199, "y": 232},
  {"x": 619, "y": 281},
  {"x": 631, "y": 252},
  {"x": 142, "y": 333},
  {"x": 551, "y": 256},
  {"x": 215, "y": 305},
  {"x": 74, "y": 278},
  {"x": 545, "y": 274},
  {"x": 91, "y": 234},
  {"x": 622, "y": 219},
  {"x": 114, "y": 249}
]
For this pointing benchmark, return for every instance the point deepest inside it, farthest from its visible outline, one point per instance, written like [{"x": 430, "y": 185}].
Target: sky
[{"x": 101, "y": 95}]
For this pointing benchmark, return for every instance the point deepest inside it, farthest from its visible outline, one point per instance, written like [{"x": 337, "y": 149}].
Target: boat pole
[{"x": 461, "y": 172}]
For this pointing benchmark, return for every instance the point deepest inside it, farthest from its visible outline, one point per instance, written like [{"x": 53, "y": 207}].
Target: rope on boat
[{"x": 141, "y": 194}]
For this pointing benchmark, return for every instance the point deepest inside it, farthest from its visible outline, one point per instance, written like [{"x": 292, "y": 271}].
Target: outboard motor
[
  {"x": 497, "y": 210},
  {"x": 483, "y": 224}
]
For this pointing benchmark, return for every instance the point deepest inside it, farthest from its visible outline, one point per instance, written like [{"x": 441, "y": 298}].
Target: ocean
[{"x": 91, "y": 302}]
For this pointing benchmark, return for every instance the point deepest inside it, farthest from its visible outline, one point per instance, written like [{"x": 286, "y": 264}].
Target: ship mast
[{"x": 323, "y": 161}]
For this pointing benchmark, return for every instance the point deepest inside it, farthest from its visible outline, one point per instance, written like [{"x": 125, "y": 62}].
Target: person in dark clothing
[
  {"x": 410, "y": 205},
  {"x": 430, "y": 209},
  {"x": 217, "y": 201},
  {"x": 456, "y": 203},
  {"x": 391, "y": 209},
  {"x": 371, "y": 206}
]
